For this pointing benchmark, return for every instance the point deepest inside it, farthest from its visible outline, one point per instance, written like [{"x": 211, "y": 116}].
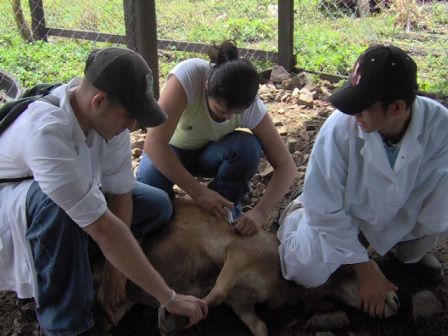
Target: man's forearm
[
  {"x": 123, "y": 252},
  {"x": 121, "y": 206}
]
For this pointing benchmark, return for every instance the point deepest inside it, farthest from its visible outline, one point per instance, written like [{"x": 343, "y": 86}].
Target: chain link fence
[
  {"x": 185, "y": 29},
  {"x": 328, "y": 34}
]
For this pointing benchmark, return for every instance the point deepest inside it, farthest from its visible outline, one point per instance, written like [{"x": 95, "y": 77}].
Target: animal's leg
[
  {"x": 344, "y": 287},
  {"x": 247, "y": 314},
  {"x": 235, "y": 264}
]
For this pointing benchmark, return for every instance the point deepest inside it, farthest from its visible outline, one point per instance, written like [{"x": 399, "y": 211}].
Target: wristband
[{"x": 162, "y": 308}]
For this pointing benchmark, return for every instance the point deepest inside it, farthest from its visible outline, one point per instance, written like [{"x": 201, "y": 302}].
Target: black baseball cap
[
  {"x": 124, "y": 75},
  {"x": 382, "y": 72}
]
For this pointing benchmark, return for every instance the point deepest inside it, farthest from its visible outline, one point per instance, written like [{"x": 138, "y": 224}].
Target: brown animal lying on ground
[{"x": 200, "y": 254}]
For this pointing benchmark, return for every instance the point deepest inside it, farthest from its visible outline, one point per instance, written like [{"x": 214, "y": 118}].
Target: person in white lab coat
[
  {"x": 78, "y": 154},
  {"x": 378, "y": 176}
]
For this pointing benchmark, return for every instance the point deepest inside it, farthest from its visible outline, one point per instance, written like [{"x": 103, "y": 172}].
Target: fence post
[
  {"x": 38, "y": 20},
  {"x": 286, "y": 33},
  {"x": 141, "y": 33}
]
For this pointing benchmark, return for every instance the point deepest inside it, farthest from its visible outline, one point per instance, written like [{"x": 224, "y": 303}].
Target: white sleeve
[
  {"x": 191, "y": 74},
  {"x": 252, "y": 116},
  {"x": 321, "y": 236},
  {"x": 49, "y": 153},
  {"x": 117, "y": 176},
  {"x": 324, "y": 197}
]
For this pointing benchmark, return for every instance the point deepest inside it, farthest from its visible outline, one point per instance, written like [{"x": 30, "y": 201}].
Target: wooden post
[
  {"x": 38, "y": 20},
  {"x": 141, "y": 33},
  {"x": 286, "y": 33}
]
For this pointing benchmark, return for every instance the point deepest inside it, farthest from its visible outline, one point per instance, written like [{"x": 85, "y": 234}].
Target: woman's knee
[
  {"x": 152, "y": 206},
  {"x": 246, "y": 149},
  {"x": 248, "y": 144},
  {"x": 147, "y": 173}
]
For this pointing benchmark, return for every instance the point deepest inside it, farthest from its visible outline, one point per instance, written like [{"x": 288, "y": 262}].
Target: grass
[{"x": 326, "y": 39}]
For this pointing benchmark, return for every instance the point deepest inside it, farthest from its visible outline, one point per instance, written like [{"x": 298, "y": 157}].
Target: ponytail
[
  {"x": 224, "y": 52},
  {"x": 232, "y": 80}
]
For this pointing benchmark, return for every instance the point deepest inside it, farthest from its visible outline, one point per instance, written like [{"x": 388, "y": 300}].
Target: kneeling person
[
  {"x": 379, "y": 171},
  {"x": 78, "y": 154}
]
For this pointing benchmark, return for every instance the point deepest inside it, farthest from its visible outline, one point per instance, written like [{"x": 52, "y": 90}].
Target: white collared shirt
[{"x": 47, "y": 142}]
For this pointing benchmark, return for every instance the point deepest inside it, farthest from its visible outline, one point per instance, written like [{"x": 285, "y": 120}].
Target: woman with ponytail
[{"x": 206, "y": 103}]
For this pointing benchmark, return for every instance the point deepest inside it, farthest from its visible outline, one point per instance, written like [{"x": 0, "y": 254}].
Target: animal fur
[{"x": 201, "y": 255}]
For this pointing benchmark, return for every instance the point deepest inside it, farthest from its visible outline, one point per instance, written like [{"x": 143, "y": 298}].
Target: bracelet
[
  {"x": 162, "y": 308},
  {"x": 170, "y": 300}
]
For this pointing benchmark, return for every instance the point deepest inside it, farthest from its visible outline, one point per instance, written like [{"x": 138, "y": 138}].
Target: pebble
[{"x": 425, "y": 305}]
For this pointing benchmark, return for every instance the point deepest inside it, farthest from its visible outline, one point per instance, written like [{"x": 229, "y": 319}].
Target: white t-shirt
[
  {"x": 196, "y": 128},
  {"x": 47, "y": 142}
]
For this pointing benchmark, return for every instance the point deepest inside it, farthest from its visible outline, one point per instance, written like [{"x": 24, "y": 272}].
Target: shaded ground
[{"x": 298, "y": 120}]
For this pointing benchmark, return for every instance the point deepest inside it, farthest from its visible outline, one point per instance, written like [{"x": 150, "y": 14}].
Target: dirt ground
[{"x": 298, "y": 119}]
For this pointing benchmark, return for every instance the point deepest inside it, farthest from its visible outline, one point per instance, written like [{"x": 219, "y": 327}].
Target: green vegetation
[{"x": 327, "y": 39}]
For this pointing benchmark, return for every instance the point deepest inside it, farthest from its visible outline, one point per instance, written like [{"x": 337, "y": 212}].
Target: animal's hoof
[
  {"x": 392, "y": 304},
  {"x": 172, "y": 324}
]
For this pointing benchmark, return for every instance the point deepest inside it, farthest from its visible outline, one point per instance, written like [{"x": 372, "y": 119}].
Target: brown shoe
[{"x": 428, "y": 269}]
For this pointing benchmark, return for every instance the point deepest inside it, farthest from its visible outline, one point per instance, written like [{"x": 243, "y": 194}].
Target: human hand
[
  {"x": 189, "y": 306},
  {"x": 249, "y": 223},
  {"x": 112, "y": 292},
  {"x": 212, "y": 201},
  {"x": 373, "y": 288}
]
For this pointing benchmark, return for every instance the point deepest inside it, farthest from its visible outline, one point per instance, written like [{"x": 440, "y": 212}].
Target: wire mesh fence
[
  {"x": 188, "y": 26},
  {"x": 328, "y": 34}
]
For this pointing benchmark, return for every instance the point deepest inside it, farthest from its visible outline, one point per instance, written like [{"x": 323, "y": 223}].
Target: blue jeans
[
  {"x": 232, "y": 161},
  {"x": 61, "y": 259}
]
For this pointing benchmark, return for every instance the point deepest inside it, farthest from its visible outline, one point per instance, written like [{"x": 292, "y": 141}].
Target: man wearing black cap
[
  {"x": 78, "y": 155},
  {"x": 378, "y": 176}
]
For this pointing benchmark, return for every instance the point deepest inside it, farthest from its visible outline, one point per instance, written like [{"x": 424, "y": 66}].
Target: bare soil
[{"x": 298, "y": 121}]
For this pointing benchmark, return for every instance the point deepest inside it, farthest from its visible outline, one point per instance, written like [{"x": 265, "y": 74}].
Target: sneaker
[{"x": 428, "y": 269}]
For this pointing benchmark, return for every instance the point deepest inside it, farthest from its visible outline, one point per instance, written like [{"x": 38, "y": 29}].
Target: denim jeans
[
  {"x": 231, "y": 161},
  {"x": 61, "y": 259}
]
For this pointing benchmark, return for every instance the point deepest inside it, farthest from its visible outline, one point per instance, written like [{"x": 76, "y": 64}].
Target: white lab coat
[{"x": 351, "y": 187}]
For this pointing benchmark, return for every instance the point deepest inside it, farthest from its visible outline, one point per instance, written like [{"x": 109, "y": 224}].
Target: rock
[
  {"x": 263, "y": 89},
  {"x": 306, "y": 99},
  {"x": 282, "y": 130},
  {"x": 276, "y": 121},
  {"x": 136, "y": 152},
  {"x": 326, "y": 84},
  {"x": 265, "y": 169},
  {"x": 425, "y": 305},
  {"x": 278, "y": 97},
  {"x": 279, "y": 74},
  {"x": 286, "y": 98},
  {"x": 324, "y": 113},
  {"x": 330, "y": 321},
  {"x": 302, "y": 168},
  {"x": 298, "y": 158},
  {"x": 296, "y": 82},
  {"x": 292, "y": 144},
  {"x": 138, "y": 144},
  {"x": 310, "y": 125}
]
